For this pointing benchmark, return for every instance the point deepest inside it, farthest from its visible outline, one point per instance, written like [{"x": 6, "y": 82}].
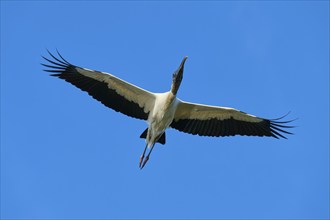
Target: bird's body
[
  {"x": 163, "y": 110},
  {"x": 161, "y": 116}
]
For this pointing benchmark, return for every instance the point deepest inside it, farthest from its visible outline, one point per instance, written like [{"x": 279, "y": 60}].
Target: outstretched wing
[
  {"x": 216, "y": 121},
  {"x": 113, "y": 92}
]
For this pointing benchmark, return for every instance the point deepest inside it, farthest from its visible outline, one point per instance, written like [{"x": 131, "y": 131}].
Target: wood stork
[{"x": 163, "y": 110}]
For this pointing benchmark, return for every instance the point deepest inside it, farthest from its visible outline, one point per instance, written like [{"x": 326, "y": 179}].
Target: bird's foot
[
  {"x": 141, "y": 160},
  {"x": 144, "y": 162}
]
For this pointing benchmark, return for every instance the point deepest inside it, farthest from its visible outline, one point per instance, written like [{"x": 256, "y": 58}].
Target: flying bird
[{"x": 163, "y": 110}]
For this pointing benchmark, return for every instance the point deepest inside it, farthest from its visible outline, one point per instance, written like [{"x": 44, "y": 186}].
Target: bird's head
[{"x": 177, "y": 77}]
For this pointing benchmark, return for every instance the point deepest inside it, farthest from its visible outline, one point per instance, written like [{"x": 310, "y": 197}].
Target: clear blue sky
[{"x": 65, "y": 155}]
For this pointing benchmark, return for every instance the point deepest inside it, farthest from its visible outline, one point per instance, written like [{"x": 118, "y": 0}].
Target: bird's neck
[{"x": 175, "y": 87}]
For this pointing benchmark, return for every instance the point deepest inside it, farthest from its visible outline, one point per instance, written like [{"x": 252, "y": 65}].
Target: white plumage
[{"x": 163, "y": 110}]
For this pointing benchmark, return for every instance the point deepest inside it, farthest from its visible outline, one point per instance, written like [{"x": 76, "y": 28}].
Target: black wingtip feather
[
  {"x": 53, "y": 71},
  {"x": 62, "y": 57},
  {"x": 276, "y": 119},
  {"x": 55, "y": 58},
  {"x": 56, "y": 75},
  {"x": 277, "y": 127},
  {"x": 50, "y": 66},
  {"x": 280, "y": 130},
  {"x": 57, "y": 65}
]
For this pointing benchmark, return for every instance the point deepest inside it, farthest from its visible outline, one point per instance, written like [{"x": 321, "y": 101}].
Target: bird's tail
[{"x": 161, "y": 140}]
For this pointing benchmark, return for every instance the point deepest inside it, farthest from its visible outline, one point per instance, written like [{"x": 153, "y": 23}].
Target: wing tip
[
  {"x": 277, "y": 126},
  {"x": 56, "y": 64}
]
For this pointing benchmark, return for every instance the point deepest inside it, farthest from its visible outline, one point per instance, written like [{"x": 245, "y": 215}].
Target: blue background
[{"x": 64, "y": 155}]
